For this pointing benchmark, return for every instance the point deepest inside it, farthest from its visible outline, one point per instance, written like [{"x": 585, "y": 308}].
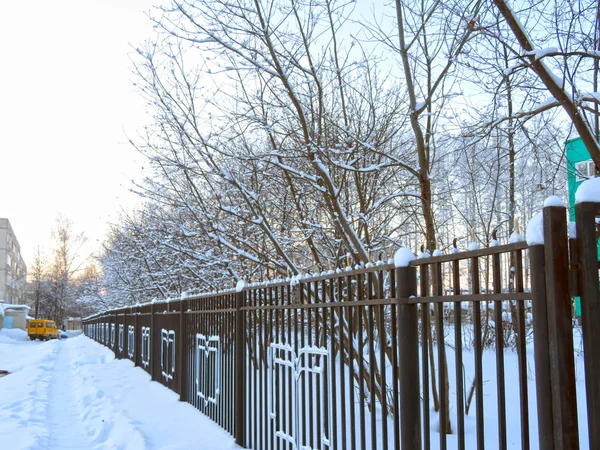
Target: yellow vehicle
[{"x": 42, "y": 330}]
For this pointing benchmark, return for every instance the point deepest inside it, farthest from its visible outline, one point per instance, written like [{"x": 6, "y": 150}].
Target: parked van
[{"x": 42, "y": 329}]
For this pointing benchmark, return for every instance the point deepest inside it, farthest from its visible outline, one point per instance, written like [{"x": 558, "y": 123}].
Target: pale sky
[{"x": 67, "y": 106}]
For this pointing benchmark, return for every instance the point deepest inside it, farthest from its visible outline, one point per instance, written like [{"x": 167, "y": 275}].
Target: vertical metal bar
[
  {"x": 383, "y": 343},
  {"x": 408, "y": 338},
  {"x": 560, "y": 331},
  {"x": 289, "y": 379},
  {"x": 500, "y": 384},
  {"x": 136, "y": 338},
  {"x": 240, "y": 370},
  {"x": 116, "y": 336},
  {"x": 342, "y": 359},
  {"x": 351, "y": 370},
  {"x": 255, "y": 372},
  {"x": 308, "y": 375},
  {"x": 361, "y": 362},
  {"x": 424, "y": 288},
  {"x": 316, "y": 433},
  {"x": 458, "y": 347},
  {"x": 267, "y": 331},
  {"x": 522, "y": 352},
  {"x": 372, "y": 364},
  {"x": 152, "y": 339},
  {"x": 182, "y": 347},
  {"x": 395, "y": 368},
  {"x": 326, "y": 364},
  {"x": 441, "y": 348},
  {"x": 305, "y": 298},
  {"x": 334, "y": 352},
  {"x": 590, "y": 312},
  {"x": 478, "y": 355}
]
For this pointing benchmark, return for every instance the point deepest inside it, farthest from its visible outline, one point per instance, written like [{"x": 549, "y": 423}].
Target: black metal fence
[{"x": 433, "y": 355}]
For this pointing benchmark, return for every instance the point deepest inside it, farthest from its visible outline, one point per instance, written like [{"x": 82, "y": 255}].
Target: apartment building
[{"x": 13, "y": 272}]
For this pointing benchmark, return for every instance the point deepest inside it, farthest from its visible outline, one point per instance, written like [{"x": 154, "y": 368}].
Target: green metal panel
[{"x": 576, "y": 153}]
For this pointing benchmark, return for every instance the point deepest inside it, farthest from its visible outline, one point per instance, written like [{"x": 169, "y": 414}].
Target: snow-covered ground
[{"x": 73, "y": 394}]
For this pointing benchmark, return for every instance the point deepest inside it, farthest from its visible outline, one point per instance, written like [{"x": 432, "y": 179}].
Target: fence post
[
  {"x": 136, "y": 344},
  {"x": 181, "y": 351},
  {"x": 125, "y": 334},
  {"x": 590, "y": 311},
  {"x": 153, "y": 374},
  {"x": 116, "y": 336},
  {"x": 408, "y": 349},
  {"x": 541, "y": 346},
  {"x": 560, "y": 329},
  {"x": 240, "y": 369}
]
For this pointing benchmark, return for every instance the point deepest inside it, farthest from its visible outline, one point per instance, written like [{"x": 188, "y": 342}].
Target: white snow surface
[
  {"x": 472, "y": 246},
  {"x": 554, "y": 200},
  {"x": 73, "y": 394},
  {"x": 588, "y": 191},
  {"x": 240, "y": 286},
  {"x": 535, "y": 230},
  {"x": 403, "y": 257},
  {"x": 515, "y": 237},
  {"x": 572, "y": 230}
]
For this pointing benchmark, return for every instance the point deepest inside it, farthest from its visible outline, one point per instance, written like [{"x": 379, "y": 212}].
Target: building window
[{"x": 585, "y": 170}]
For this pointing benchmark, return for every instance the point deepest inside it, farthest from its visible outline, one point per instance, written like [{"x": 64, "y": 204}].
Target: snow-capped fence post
[
  {"x": 586, "y": 211},
  {"x": 116, "y": 335},
  {"x": 540, "y": 343},
  {"x": 240, "y": 367},
  {"x": 408, "y": 349},
  {"x": 181, "y": 350},
  {"x": 153, "y": 362},
  {"x": 560, "y": 330},
  {"x": 136, "y": 341}
]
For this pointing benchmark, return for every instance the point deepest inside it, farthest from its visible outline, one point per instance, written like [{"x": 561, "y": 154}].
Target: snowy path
[
  {"x": 66, "y": 427},
  {"x": 73, "y": 394}
]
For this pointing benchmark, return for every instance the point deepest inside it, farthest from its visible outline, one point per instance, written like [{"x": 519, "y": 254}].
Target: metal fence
[{"x": 384, "y": 357}]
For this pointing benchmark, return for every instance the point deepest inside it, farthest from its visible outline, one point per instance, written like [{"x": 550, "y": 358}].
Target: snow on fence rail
[{"x": 353, "y": 358}]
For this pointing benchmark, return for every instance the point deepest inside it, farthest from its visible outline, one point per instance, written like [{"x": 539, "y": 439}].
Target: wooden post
[
  {"x": 181, "y": 350},
  {"x": 408, "y": 343},
  {"x": 136, "y": 342},
  {"x": 153, "y": 371},
  {"x": 240, "y": 370},
  {"x": 115, "y": 336},
  {"x": 560, "y": 329},
  {"x": 590, "y": 311},
  {"x": 541, "y": 346}
]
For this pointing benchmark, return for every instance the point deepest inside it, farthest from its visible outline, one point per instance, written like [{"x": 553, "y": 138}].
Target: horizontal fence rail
[{"x": 433, "y": 355}]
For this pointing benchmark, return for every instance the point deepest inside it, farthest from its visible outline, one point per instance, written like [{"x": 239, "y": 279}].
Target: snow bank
[
  {"x": 535, "y": 230},
  {"x": 588, "y": 191},
  {"x": 403, "y": 257},
  {"x": 10, "y": 336}
]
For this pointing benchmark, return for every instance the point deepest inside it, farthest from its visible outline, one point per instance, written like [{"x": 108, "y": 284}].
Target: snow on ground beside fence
[{"x": 73, "y": 394}]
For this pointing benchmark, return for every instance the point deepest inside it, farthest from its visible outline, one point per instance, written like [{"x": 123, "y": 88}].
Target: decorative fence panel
[{"x": 382, "y": 356}]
